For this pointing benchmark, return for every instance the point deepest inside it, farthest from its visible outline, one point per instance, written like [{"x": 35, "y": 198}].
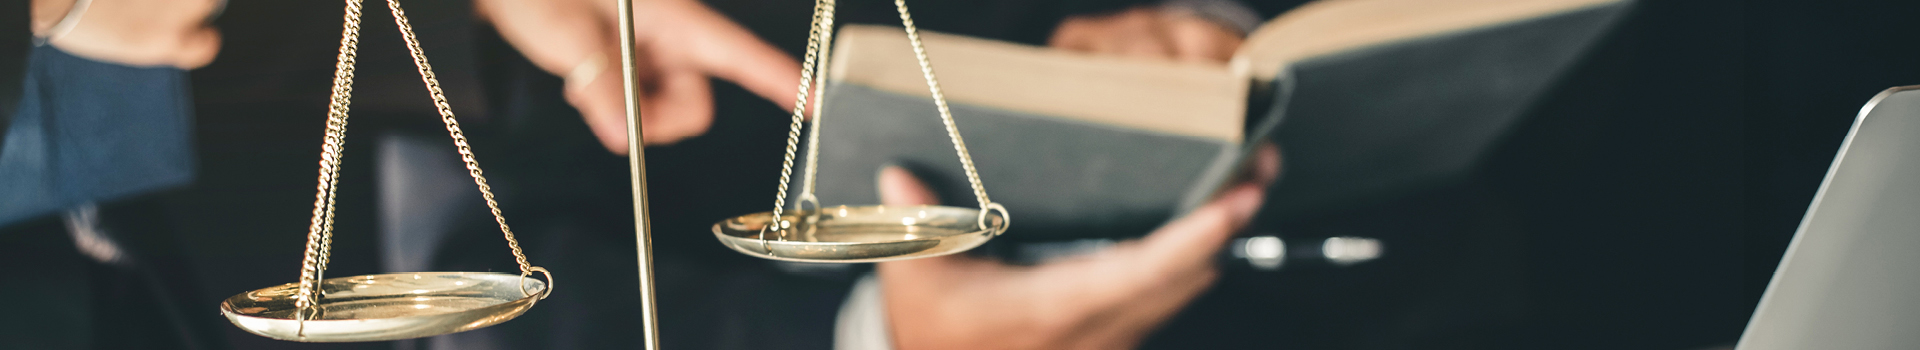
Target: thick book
[{"x": 1367, "y": 99}]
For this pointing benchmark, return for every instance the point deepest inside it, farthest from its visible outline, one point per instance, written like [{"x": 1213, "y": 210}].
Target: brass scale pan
[{"x": 847, "y": 234}]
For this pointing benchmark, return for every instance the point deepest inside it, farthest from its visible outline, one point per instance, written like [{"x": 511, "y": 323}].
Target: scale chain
[
  {"x": 940, "y": 102},
  {"x": 819, "y": 101},
  {"x": 810, "y": 74},
  {"x": 320, "y": 232},
  {"x": 453, "y": 130},
  {"x": 799, "y": 106}
]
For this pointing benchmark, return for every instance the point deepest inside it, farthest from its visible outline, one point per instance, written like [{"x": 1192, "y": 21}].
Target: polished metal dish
[
  {"x": 387, "y": 306},
  {"x": 849, "y": 234}
]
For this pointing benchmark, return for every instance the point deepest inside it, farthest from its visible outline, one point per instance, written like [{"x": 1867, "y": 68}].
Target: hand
[
  {"x": 134, "y": 32},
  {"x": 1110, "y": 299},
  {"x": 1148, "y": 32},
  {"x": 680, "y": 43}
]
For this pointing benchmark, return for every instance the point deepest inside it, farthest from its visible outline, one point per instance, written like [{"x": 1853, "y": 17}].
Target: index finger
[{"x": 731, "y": 52}]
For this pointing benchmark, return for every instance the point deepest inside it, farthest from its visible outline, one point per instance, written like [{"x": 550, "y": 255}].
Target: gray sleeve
[{"x": 862, "y": 323}]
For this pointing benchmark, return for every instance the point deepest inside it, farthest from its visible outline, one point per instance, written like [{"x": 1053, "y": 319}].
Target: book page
[{"x": 1185, "y": 99}]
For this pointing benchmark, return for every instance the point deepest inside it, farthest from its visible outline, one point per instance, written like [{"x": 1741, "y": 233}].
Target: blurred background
[{"x": 1642, "y": 203}]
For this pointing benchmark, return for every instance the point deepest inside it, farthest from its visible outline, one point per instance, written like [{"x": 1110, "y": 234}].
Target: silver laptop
[{"x": 1851, "y": 277}]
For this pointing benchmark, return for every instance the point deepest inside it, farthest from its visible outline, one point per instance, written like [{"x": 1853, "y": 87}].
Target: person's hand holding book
[{"x": 1109, "y": 299}]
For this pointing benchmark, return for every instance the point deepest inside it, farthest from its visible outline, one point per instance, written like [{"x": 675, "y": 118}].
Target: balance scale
[{"x": 412, "y": 305}]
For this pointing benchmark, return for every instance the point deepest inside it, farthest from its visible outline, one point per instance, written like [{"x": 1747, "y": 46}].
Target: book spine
[{"x": 1233, "y": 158}]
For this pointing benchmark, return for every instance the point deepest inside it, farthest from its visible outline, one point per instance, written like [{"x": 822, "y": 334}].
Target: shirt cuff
[{"x": 862, "y": 322}]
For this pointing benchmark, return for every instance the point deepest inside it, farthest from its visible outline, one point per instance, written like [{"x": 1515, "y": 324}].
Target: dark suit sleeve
[{"x": 16, "y": 39}]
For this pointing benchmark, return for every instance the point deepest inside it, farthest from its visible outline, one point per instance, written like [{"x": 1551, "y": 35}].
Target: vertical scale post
[{"x": 637, "y": 164}]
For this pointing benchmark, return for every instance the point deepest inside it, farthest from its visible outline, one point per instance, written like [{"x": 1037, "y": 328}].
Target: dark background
[{"x": 1642, "y": 204}]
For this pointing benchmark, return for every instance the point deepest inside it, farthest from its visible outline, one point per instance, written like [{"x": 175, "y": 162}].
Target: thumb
[
  {"x": 899, "y": 187},
  {"x": 1192, "y": 241}
]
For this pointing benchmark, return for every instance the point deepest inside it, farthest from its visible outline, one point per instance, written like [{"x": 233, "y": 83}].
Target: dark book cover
[{"x": 1353, "y": 126}]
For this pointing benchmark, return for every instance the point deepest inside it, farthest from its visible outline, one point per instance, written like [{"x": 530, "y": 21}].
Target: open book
[{"x": 1367, "y": 99}]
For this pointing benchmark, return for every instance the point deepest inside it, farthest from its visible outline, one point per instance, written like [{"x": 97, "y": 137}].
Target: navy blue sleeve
[{"x": 15, "y": 38}]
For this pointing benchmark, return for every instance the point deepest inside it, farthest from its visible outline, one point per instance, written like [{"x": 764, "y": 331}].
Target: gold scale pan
[{"x": 870, "y": 233}]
